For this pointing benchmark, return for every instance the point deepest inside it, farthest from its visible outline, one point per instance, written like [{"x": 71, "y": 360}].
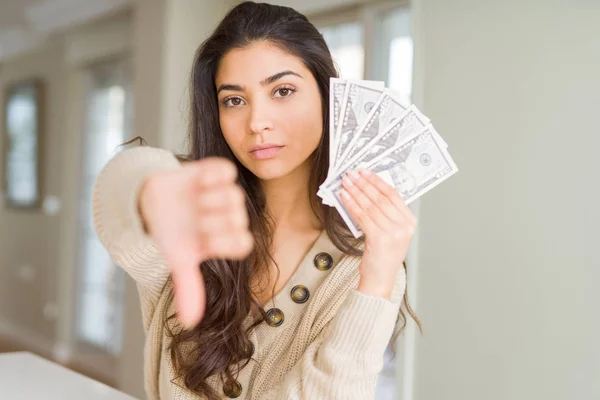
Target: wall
[
  {"x": 187, "y": 24},
  {"x": 506, "y": 255},
  {"x": 39, "y": 311},
  {"x": 508, "y": 259}
]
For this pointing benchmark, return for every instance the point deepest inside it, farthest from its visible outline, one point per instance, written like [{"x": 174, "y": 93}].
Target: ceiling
[{"x": 24, "y": 24}]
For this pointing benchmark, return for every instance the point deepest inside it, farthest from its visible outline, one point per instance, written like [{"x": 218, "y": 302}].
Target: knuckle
[
  {"x": 351, "y": 188},
  {"x": 215, "y": 224},
  {"x": 210, "y": 245},
  {"x": 242, "y": 220},
  {"x": 368, "y": 207},
  {"x": 239, "y": 196},
  {"x": 387, "y": 188},
  {"x": 229, "y": 221},
  {"x": 249, "y": 241},
  {"x": 246, "y": 243},
  {"x": 205, "y": 199},
  {"x": 360, "y": 218},
  {"x": 202, "y": 224},
  {"x": 221, "y": 243},
  {"x": 229, "y": 170},
  {"x": 201, "y": 179},
  {"x": 221, "y": 167},
  {"x": 219, "y": 162}
]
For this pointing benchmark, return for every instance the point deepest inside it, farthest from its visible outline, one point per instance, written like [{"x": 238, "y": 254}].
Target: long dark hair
[{"x": 219, "y": 343}]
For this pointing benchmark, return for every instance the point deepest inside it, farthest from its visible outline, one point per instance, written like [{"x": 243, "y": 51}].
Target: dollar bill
[
  {"x": 337, "y": 88},
  {"x": 413, "y": 168},
  {"x": 336, "y": 94},
  {"x": 400, "y": 130},
  {"x": 386, "y": 111},
  {"x": 359, "y": 99},
  {"x": 403, "y": 128}
]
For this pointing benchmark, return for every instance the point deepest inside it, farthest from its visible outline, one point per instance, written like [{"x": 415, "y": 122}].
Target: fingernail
[
  {"x": 354, "y": 175},
  {"x": 347, "y": 181},
  {"x": 366, "y": 172},
  {"x": 344, "y": 194}
]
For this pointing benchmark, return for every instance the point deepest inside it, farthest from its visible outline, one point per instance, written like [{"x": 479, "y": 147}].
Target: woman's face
[{"x": 269, "y": 109}]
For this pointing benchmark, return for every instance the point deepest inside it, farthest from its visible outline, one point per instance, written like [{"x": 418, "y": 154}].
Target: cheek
[
  {"x": 306, "y": 123},
  {"x": 232, "y": 132}
]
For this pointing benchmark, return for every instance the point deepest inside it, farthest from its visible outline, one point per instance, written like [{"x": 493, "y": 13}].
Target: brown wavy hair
[{"x": 219, "y": 343}]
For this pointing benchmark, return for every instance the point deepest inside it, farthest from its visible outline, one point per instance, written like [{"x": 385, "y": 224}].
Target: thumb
[{"x": 190, "y": 295}]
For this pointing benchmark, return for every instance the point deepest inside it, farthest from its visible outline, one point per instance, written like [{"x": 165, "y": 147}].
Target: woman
[{"x": 285, "y": 303}]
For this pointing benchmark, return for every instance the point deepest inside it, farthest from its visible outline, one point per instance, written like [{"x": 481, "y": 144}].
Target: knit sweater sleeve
[
  {"x": 118, "y": 224},
  {"x": 346, "y": 358}
]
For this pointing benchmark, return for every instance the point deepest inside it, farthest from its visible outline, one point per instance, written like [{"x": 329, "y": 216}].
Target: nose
[{"x": 260, "y": 119}]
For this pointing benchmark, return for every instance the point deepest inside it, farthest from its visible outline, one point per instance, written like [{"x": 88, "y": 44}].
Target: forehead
[{"x": 255, "y": 62}]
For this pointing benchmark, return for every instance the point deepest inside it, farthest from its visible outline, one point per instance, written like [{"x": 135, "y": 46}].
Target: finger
[
  {"x": 213, "y": 171},
  {"x": 372, "y": 210},
  {"x": 391, "y": 194},
  {"x": 226, "y": 221},
  {"x": 376, "y": 194},
  {"x": 235, "y": 246},
  {"x": 221, "y": 198},
  {"x": 357, "y": 213}
]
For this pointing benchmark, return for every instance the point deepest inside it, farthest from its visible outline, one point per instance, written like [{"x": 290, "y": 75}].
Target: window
[
  {"x": 345, "y": 41},
  {"x": 100, "y": 282},
  {"x": 394, "y": 57}
]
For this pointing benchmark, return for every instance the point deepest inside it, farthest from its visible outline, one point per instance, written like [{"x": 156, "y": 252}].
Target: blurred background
[{"x": 505, "y": 267}]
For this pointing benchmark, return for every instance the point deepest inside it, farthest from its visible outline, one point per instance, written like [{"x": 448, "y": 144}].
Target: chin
[{"x": 269, "y": 169}]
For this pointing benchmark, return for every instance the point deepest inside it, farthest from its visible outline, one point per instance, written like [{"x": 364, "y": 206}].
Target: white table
[{"x": 25, "y": 376}]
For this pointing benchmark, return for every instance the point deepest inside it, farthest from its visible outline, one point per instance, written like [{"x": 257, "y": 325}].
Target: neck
[{"x": 288, "y": 201}]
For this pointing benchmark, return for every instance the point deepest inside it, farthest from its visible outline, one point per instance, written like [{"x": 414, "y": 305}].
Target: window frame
[{"x": 91, "y": 354}]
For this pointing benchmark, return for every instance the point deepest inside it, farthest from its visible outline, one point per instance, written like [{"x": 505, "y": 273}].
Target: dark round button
[
  {"x": 300, "y": 294},
  {"x": 323, "y": 261},
  {"x": 232, "y": 389},
  {"x": 274, "y": 317},
  {"x": 249, "y": 349}
]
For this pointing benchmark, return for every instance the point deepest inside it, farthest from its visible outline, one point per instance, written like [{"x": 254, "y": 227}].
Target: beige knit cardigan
[{"x": 329, "y": 347}]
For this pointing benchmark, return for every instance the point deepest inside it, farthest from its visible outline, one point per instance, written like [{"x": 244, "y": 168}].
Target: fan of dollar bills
[{"x": 370, "y": 128}]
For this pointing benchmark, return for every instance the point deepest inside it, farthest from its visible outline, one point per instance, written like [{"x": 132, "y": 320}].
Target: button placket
[{"x": 311, "y": 273}]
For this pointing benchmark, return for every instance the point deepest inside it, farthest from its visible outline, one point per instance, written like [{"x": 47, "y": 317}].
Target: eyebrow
[{"x": 266, "y": 81}]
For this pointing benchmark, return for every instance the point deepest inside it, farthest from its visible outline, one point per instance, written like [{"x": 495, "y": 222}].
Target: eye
[
  {"x": 232, "y": 102},
  {"x": 284, "y": 92}
]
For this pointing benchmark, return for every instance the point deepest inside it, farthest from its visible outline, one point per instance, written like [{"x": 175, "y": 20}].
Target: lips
[{"x": 263, "y": 152}]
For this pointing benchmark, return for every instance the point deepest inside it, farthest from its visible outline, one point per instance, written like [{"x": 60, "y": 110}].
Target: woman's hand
[
  {"x": 193, "y": 214},
  {"x": 388, "y": 225}
]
